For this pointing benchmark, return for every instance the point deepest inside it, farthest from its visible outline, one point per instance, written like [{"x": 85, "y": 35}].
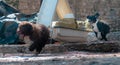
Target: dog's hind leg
[{"x": 103, "y": 37}]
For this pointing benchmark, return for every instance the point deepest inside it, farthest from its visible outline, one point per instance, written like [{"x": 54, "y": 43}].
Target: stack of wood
[{"x": 29, "y": 6}]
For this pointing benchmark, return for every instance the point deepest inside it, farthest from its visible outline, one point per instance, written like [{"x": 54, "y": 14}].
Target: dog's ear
[
  {"x": 91, "y": 19},
  {"x": 97, "y": 15},
  {"x": 88, "y": 17},
  {"x": 25, "y": 28}
]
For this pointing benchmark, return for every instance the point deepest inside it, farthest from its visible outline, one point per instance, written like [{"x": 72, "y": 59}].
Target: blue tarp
[
  {"x": 9, "y": 18},
  {"x": 5, "y": 9},
  {"x": 9, "y": 25},
  {"x": 8, "y": 33},
  {"x": 7, "y": 28}
]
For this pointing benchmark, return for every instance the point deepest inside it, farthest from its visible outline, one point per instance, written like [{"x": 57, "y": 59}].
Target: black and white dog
[{"x": 101, "y": 29}]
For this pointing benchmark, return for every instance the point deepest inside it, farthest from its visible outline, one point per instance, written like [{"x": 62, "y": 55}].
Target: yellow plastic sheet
[{"x": 63, "y": 9}]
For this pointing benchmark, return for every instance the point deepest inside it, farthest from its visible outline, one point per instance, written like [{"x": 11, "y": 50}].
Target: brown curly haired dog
[{"x": 34, "y": 35}]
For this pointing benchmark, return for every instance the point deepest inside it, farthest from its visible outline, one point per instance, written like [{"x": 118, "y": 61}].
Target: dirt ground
[
  {"x": 102, "y": 53},
  {"x": 66, "y": 58}
]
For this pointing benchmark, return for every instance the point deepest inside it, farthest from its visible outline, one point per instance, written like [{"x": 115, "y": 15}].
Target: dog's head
[
  {"x": 92, "y": 18},
  {"x": 25, "y": 29}
]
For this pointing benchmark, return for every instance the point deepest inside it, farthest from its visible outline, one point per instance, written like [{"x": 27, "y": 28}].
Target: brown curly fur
[{"x": 37, "y": 33}]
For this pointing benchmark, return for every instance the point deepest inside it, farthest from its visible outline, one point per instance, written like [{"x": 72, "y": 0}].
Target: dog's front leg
[{"x": 99, "y": 35}]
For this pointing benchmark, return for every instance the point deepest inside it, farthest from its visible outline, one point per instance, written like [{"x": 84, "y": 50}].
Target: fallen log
[{"x": 104, "y": 46}]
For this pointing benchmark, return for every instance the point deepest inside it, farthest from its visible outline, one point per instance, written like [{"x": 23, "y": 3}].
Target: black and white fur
[{"x": 101, "y": 29}]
